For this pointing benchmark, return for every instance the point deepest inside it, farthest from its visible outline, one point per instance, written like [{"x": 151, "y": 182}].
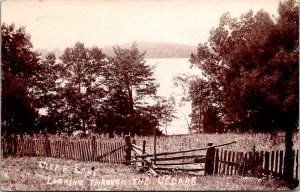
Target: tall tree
[
  {"x": 203, "y": 106},
  {"x": 128, "y": 73},
  {"x": 18, "y": 67},
  {"x": 165, "y": 111},
  {"x": 45, "y": 92},
  {"x": 82, "y": 89},
  {"x": 285, "y": 43},
  {"x": 251, "y": 65},
  {"x": 199, "y": 91},
  {"x": 112, "y": 115}
]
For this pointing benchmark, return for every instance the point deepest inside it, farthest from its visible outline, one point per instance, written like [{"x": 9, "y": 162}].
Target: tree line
[
  {"x": 250, "y": 76},
  {"x": 83, "y": 89}
]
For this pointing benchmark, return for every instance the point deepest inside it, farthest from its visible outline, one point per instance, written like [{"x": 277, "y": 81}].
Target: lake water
[{"x": 165, "y": 70}]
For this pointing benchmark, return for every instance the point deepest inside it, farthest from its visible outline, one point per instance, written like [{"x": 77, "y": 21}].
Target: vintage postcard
[{"x": 149, "y": 95}]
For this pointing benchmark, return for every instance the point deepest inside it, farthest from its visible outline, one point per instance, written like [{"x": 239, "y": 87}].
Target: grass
[
  {"x": 244, "y": 142},
  {"x": 39, "y": 173}
]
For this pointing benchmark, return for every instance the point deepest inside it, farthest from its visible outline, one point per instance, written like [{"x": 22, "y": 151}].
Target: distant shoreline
[{"x": 154, "y": 50}]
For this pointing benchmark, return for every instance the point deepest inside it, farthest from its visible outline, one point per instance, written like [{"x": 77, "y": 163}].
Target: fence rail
[
  {"x": 219, "y": 161},
  {"x": 84, "y": 150}
]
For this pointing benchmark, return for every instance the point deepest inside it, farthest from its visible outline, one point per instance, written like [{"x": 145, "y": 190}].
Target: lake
[{"x": 165, "y": 70}]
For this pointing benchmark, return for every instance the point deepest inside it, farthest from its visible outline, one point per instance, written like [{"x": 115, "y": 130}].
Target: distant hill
[
  {"x": 153, "y": 50},
  {"x": 45, "y": 51},
  {"x": 157, "y": 49}
]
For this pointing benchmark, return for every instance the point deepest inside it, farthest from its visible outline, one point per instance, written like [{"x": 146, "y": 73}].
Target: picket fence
[
  {"x": 218, "y": 161},
  {"x": 257, "y": 163},
  {"x": 84, "y": 150}
]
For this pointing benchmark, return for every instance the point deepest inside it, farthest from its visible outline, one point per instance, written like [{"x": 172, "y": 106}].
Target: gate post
[
  {"x": 209, "y": 160},
  {"x": 144, "y": 150},
  {"x": 47, "y": 147},
  {"x": 128, "y": 147}
]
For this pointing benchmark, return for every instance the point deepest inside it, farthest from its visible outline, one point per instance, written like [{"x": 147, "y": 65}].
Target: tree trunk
[
  {"x": 288, "y": 160},
  {"x": 83, "y": 128},
  {"x": 166, "y": 127},
  {"x": 110, "y": 134},
  {"x": 131, "y": 110},
  {"x": 130, "y": 99},
  {"x": 200, "y": 120}
]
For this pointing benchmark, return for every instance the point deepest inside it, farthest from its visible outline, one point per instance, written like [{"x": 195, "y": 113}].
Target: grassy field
[
  {"x": 244, "y": 142},
  {"x": 38, "y": 173}
]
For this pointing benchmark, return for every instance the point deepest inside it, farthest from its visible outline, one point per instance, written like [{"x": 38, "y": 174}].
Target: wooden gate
[
  {"x": 214, "y": 162},
  {"x": 171, "y": 161}
]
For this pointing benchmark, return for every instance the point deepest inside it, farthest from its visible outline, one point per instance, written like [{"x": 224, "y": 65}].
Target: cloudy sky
[{"x": 60, "y": 23}]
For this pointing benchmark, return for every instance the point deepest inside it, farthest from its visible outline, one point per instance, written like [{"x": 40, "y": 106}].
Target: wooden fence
[
  {"x": 84, "y": 150},
  {"x": 171, "y": 161},
  {"x": 257, "y": 163},
  {"x": 213, "y": 161}
]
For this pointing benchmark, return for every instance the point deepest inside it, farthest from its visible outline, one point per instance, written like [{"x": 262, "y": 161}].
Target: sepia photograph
[{"x": 149, "y": 95}]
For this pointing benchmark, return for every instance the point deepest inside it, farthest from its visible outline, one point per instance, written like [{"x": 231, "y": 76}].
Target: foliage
[
  {"x": 45, "y": 91},
  {"x": 211, "y": 121},
  {"x": 128, "y": 71},
  {"x": 251, "y": 66},
  {"x": 165, "y": 111},
  {"x": 130, "y": 87},
  {"x": 112, "y": 115},
  {"x": 18, "y": 67},
  {"x": 81, "y": 88},
  {"x": 251, "y": 70},
  {"x": 77, "y": 91}
]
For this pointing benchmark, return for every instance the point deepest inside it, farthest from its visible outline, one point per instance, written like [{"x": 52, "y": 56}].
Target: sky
[{"x": 61, "y": 23}]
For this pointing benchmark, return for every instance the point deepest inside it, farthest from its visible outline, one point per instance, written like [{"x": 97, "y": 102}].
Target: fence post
[
  {"x": 228, "y": 163},
  {"x": 47, "y": 147},
  {"x": 216, "y": 160},
  {"x": 209, "y": 160},
  {"x": 267, "y": 164},
  {"x": 154, "y": 146},
  {"x": 254, "y": 160},
  {"x": 9, "y": 145},
  {"x": 94, "y": 148},
  {"x": 272, "y": 163},
  {"x": 297, "y": 165},
  {"x": 127, "y": 149},
  {"x": 144, "y": 150},
  {"x": 15, "y": 145},
  {"x": 280, "y": 163}
]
